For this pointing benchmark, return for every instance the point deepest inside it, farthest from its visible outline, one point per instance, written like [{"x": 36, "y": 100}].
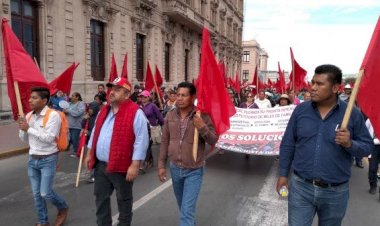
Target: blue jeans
[
  {"x": 41, "y": 174},
  {"x": 186, "y": 185},
  {"x": 74, "y": 138},
  {"x": 306, "y": 199}
]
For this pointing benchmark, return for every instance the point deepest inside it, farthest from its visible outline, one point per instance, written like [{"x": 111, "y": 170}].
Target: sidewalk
[{"x": 10, "y": 144}]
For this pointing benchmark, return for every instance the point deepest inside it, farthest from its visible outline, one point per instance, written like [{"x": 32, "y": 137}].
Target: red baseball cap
[{"x": 122, "y": 82}]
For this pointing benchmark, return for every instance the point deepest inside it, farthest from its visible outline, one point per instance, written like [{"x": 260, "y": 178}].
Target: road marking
[
  {"x": 267, "y": 208},
  {"x": 145, "y": 199}
]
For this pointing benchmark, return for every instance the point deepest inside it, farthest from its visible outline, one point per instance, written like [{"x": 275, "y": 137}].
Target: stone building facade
[
  {"x": 166, "y": 33},
  {"x": 253, "y": 55}
]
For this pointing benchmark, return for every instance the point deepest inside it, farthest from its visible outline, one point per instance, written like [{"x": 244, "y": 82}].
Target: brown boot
[{"x": 61, "y": 217}]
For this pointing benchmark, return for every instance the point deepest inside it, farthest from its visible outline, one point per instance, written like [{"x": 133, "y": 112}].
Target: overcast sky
[{"x": 319, "y": 31}]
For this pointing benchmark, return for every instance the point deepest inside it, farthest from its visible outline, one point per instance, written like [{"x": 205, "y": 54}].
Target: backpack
[{"x": 63, "y": 138}]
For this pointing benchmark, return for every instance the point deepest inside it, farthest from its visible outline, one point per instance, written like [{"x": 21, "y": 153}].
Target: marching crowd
[{"x": 125, "y": 122}]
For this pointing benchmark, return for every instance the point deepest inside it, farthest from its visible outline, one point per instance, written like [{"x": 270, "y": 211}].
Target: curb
[{"x": 14, "y": 152}]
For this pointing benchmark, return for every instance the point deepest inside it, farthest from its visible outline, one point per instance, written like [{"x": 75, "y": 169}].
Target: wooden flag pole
[
  {"x": 351, "y": 103},
  {"x": 18, "y": 99},
  {"x": 158, "y": 93},
  {"x": 79, "y": 167},
  {"x": 293, "y": 75},
  {"x": 195, "y": 143},
  {"x": 35, "y": 61}
]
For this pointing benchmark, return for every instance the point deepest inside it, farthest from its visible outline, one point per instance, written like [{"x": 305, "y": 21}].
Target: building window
[
  {"x": 97, "y": 50},
  {"x": 186, "y": 65},
  {"x": 167, "y": 62},
  {"x": 25, "y": 25},
  {"x": 140, "y": 57},
  {"x": 245, "y": 75},
  {"x": 245, "y": 56}
]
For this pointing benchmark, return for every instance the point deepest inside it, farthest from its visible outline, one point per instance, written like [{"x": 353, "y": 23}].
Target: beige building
[
  {"x": 253, "y": 55},
  {"x": 167, "y": 33}
]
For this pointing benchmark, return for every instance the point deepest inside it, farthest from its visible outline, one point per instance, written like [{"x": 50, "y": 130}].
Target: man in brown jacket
[{"x": 177, "y": 145}]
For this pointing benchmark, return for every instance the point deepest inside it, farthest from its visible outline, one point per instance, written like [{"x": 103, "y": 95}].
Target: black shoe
[
  {"x": 91, "y": 180},
  {"x": 372, "y": 190},
  {"x": 359, "y": 164},
  {"x": 141, "y": 171}
]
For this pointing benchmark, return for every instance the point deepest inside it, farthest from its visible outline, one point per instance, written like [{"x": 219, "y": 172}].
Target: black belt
[
  {"x": 319, "y": 182},
  {"x": 42, "y": 156}
]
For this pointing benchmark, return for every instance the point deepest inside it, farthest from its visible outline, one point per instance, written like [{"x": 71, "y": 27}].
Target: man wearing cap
[
  {"x": 284, "y": 100},
  {"x": 345, "y": 96},
  {"x": 117, "y": 145}
]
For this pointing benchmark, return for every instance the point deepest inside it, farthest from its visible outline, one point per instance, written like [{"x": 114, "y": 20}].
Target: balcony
[{"x": 182, "y": 13}]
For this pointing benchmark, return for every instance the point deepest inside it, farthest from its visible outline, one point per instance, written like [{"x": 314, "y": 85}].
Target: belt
[
  {"x": 42, "y": 156},
  {"x": 319, "y": 182}
]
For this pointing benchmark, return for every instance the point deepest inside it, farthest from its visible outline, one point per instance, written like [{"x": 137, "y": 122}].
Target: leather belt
[
  {"x": 42, "y": 156},
  {"x": 319, "y": 182}
]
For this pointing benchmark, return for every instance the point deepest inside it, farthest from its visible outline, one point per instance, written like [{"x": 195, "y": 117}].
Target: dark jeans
[
  {"x": 74, "y": 139},
  {"x": 105, "y": 183},
  {"x": 373, "y": 166},
  {"x": 149, "y": 154}
]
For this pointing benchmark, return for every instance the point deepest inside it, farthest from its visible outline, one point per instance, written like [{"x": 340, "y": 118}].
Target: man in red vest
[{"x": 117, "y": 145}]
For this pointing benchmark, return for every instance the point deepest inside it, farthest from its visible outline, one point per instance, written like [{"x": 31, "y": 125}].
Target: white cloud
[{"x": 278, "y": 25}]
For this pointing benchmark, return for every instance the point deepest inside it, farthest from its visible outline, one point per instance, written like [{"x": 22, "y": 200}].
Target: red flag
[
  {"x": 212, "y": 95},
  {"x": 158, "y": 78},
  {"x": 159, "y": 82},
  {"x": 222, "y": 68},
  {"x": 369, "y": 86},
  {"x": 149, "y": 83},
  {"x": 82, "y": 139},
  {"x": 299, "y": 73},
  {"x": 124, "y": 71},
  {"x": 64, "y": 81},
  {"x": 281, "y": 80},
  {"x": 237, "y": 83},
  {"x": 113, "y": 73},
  {"x": 20, "y": 67},
  {"x": 257, "y": 82}
]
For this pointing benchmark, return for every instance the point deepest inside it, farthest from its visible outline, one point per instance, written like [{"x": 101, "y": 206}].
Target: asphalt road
[{"x": 235, "y": 191}]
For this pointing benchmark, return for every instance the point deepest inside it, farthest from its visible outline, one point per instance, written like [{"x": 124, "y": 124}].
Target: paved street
[{"x": 235, "y": 191}]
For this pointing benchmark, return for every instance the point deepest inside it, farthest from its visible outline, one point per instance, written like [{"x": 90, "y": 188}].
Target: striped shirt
[{"x": 41, "y": 139}]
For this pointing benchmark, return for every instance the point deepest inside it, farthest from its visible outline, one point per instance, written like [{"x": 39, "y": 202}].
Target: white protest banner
[{"x": 256, "y": 131}]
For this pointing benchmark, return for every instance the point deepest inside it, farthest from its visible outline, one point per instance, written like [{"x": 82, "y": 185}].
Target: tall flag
[
  {"x": 159, "y": 82},
  {"x": 212, "y": 95},
  {"x": 237, "y": 84},
  {"x": 149, "y": 83},
  {"x": 222, "y": 68},
  {"x": 113, "y": 73},
  {"x": 298, "y": 73},
  {"x": 257, "y": 82},
  {"x": 124, "y": 71},
  {"x": 20, "y": 67},
  {"x": 369, "y": 87},
  {"x": 64, "y": 81},
  {"x": 82, "y": 139},
  {"x": 281, "y": 80}
]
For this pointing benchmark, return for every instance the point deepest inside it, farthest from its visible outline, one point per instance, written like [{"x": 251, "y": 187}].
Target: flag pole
[
  {"x": 79, "y": 167},
  {"x": 18, "y": 99},
  {"x": 35, "y": 61},
  {"x": 352, "y": 100},
  {"x": 293, "y": 75},
  {"x": 195, "y": 143},
  {"x": 158, "y": 93}
]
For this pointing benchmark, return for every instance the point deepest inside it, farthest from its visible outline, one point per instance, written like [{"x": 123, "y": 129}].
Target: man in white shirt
[
  {"x": 43, "y": 155},
  {"x": 263, "y": 102}
]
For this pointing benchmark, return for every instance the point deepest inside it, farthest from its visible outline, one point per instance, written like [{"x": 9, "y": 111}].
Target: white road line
[
  {"x": 267, "y": 208},
  {"x": 145, "y": 199}
]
